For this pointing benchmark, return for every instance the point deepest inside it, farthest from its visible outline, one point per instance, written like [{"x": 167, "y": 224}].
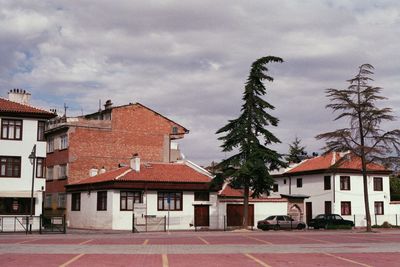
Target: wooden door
[
  {"x": 201, "y": 215},
  {"x": 308, "y": 211},
  {"x": 234, "y": 213},
  {"x": 328, "y": 207}
]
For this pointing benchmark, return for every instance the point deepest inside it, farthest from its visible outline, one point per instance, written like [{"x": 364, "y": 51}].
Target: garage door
[{"x": 234, "y": 214}]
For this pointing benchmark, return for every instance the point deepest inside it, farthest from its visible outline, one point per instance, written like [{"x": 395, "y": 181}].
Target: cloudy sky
[{"x": 189, "y": 60}]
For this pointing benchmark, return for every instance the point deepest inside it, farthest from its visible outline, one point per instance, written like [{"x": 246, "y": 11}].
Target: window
[
  {"x": 202, "y": 196},
  {"x": 275, "y": 188},
  {"x": 379, "y": 208},
  {"x": 344, "y": 182},
  {"x": 174, "y": 130},
  {"x": 61, "y": 201},
  {"x": 284, "y": 181},
  {"x": 48, "y": 200},
  {"x": 76, "y": 201},
  {"x": 328, "y": 207},
  {"x": 11, "y": 129},
  {"x": 10, "y": 167},
  {"x": 64, "y": 141},
  {"x": 40, "y": 130},
  {"x": 345, "y": 207},
  {"x": 50, "y": 173},
  {"x": 327, "y": 183},
  {"x": 14, "y": 206},
  {"x": 127, "y": 199},
  {"x": 102, "y": 200},
  {"x": 169, "y": 201},
  {"x": 50, "y": 145},
  {"x": 378, "y": 184},
  {"x": 62, "y": 172},
  {"x": 40, "y": 167},
  {"x": 299, "y": 182}
]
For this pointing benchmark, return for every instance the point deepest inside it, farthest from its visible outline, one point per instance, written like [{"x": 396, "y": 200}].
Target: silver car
[{"x": 277, "y": 222}]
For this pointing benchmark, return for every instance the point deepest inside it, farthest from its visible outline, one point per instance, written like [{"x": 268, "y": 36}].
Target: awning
[{"x": 24, "y": 194}]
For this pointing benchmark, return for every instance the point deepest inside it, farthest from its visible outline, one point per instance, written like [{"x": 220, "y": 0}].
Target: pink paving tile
[
  {"x": 33, "y": 260},
  {"x": 302, "y": 260},
  {"x": 59, "y": 241},
  {"x": 284, "y": 239},
  {"x": 373, "y": 259},
  {"x": 139, "y": 260},
  {"x": 116, "y": 241},
  {"x": 176, "y": 241},
  {"x": 232, "y": 240},
  {"x": 12, "y": 240},
  {"x": 210, "y": 260}
]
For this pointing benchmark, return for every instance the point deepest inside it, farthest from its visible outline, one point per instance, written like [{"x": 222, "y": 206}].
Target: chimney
[
  {"x": 102, "y": 170},
  {"x": 93, "y": 172},
  {"x": 135, "y": 163},
  {"x": 108, "y": 104},
  {"x": 19, "y": 96}
]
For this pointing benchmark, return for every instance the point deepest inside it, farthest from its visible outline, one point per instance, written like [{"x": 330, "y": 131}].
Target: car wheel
[
  {"x": 300, "y": 226},
  {"x": 277, "y": 227},
  {"x": 265, "y": 229},
  {"x": 316, "y": 227}
]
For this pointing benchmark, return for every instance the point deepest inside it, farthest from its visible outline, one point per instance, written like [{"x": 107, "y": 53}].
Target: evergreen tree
[
  {"x": 363, "y": 137},
  {"x": 296, "y": 152},
  {"x": 249, "y": 168}
]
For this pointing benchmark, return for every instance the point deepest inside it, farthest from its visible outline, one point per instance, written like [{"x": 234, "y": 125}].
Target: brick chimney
[
  {"x": 135, "y": 162},
  {"x": 19, "y": 96}
]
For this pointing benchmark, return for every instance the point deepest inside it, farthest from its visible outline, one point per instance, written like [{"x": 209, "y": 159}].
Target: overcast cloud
[{"x": 189, "y": 60}]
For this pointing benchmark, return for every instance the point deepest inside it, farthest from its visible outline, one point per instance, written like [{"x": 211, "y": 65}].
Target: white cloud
[{"x": 189, "y": 60}]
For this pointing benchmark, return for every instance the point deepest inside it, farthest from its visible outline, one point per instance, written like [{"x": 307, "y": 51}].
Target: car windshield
[
  {"x": 338, "y": 217},
  {"x": 319, "y": 217},
  {"x": 270, "y": 218}
]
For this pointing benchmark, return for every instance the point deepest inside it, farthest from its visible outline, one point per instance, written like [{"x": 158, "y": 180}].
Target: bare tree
[{"x": 363, "y": 137}]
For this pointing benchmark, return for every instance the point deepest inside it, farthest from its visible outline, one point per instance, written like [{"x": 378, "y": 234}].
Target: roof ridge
[
  {"x": 27, "y": 105},
  {"x": 123, "y": 174}
]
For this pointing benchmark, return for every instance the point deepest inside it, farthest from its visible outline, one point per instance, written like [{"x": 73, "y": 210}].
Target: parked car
[
  {"x": 324, "y": 220},
  {"x": 277, "y": 222}
]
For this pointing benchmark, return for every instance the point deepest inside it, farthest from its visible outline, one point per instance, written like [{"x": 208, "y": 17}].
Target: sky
[{"x": 189, "y": 60}]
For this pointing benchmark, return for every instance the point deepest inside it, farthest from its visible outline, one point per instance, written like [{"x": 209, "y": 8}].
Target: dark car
[
  {"x": 325, "y": 220},
  {"x": 277, "y": 222}
]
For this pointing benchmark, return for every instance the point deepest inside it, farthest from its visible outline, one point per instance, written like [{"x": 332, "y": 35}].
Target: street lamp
[{"x": 32, "y": 159}]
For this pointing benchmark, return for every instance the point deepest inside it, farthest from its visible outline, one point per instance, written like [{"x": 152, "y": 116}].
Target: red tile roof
[
  {"x": 334, "y": 160},
  {"x": 151, "y": 172},
  {"x": 7, "y": 106},
  {"x": 228, "y": 191}
]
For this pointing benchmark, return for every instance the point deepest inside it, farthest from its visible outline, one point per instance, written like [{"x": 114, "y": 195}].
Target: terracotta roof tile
[
  {"x": 8, "y": 106},
  {"x": 334, "y": 160},
  {"x": 228, "y": 191},
  {"x": 151, "y": 172}
]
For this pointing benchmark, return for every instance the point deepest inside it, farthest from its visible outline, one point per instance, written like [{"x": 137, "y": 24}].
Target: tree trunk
[
  {"x": 246, "y": 207},
  {"x": 366, "y": 197}
]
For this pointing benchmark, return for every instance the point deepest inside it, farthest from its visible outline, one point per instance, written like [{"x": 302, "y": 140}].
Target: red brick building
[{"x": 103, "y": 140}]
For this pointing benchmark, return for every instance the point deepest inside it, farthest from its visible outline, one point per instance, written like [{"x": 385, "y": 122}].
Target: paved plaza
[{"x": 249, "y": 248}]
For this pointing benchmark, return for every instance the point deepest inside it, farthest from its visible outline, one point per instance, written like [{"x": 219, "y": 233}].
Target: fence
[
  {"x": 27, "y": 224},
  {"x": 19, "y": 224},
  {"x": 149, "y": 223}
]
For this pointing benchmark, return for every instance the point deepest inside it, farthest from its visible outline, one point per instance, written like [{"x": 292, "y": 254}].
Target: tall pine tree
[
  {"x": 249, "y": 168},
  {"x": 296, "y": 152},
  {"x": 363, "y": 136}
]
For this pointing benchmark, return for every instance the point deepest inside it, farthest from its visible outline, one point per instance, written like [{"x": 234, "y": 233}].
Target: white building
[
  {"x": 334, "y": 184},
  {"x": 165, "y": 195},
  {"x": 22, "y": 128}
]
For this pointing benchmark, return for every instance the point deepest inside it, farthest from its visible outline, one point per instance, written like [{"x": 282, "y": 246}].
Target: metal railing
[{"x": 27, "y": 224}]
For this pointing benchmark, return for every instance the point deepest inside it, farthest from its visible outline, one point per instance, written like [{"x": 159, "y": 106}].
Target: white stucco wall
[
  {"x": 89, "y": 217},
  {"x": 22, "y": 148},
  {"x": 114, "y": 218},
  {"x": 313, "y": 186}
]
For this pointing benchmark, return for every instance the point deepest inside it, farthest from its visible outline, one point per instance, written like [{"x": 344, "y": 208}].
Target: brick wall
[{"x": 134, "y": 129}]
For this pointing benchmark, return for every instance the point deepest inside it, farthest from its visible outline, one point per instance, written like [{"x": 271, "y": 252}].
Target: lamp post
[{"x": 32, "y": 159}]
